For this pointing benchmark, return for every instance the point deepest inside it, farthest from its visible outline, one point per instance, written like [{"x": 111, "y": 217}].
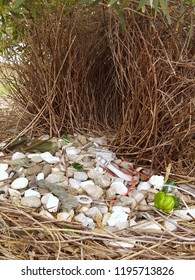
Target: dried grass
[
  {"x": 79, "y": 73},
  {"x": 24, "y": 234}
]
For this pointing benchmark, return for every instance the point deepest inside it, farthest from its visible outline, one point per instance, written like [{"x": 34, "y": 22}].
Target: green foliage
[
  {"x": 66, "y": 138},
  {"x": 169, "y": 186},
  {"x": 77, "y": 166}
]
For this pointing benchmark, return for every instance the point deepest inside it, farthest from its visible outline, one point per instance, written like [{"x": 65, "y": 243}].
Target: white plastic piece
[
  {"x": 113, "y": 168},
  {"x": 157, "y": 181},
  {"x": 118, "y": 219}
]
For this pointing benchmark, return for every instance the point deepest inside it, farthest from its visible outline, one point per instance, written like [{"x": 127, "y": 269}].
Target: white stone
[
  {"x": 95, "y": 172},
  {"x": 18, "y": 155},
  {"x": 3, "y": 167},
  {"x": 118, "y": 219},
  {"x": 93, "y": 212},
  {"x": 30, "y": 192},
  {"x": 44, "y": 137},
  {"x": 121, "y": 209},
  {"x": 82, "y": 139},
  {"x": 31, "y": 201},
  {"x": 110, "y": 194},
  {"x": 3, "y": 175},
  {"x": 19, "y": 183},
  {"x": 13, "y": 193},
  {"x": 36, "y": 159},
  {"x": 45, "y": 198},
  {"x": 157, "y": 181},
  {"x": 105, "y": 219},
  {"x": 44, "y": 213},
  {"x": 102, "y": 181},
  {"x": 138, "y": 196},
  {"x": 119, "y": 188},
  {"x": 84, "y": 209},
  {"x": 81, "y": 176},
  {"x": 55, "y": 178},
  {"x": 103, "y": 208},
  {"x": 40, "y": 176},
  {"x": 63, "y": 216},
  {"x": 52, "y": 204},
  {"x": 30, "y": 156},
  {"x": 85, "y": 221},
  {"x": 47, "y": 156},
  {"x": 70, "y": 172},
  {"x": 143, "y": 186},
  {"x": 170, "y": 226},
  {"x": 75, "y": 184},
  {"x": 72, "y": 151},
  {"x": 87, "y": 183},
  {"x": 94, "y": 191},
  {"x": 84, "y": 199}
]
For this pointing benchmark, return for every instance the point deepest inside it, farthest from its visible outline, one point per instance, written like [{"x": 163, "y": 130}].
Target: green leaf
[
  {"x": 142, "y": 3},
  {"x": 112, "y": 2},
  {"x": 66, "y": 138},
  {"x": 169, "y": 188},
  {"x": 77, "y": 166},
  {"x": 18, "y": 3},
  {"x": 177, "y": 202}
]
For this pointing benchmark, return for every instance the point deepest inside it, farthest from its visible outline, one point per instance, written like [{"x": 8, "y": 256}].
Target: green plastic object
[{"x": 164, "y": 202}]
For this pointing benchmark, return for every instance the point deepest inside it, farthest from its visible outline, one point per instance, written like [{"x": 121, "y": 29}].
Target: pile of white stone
[{"x": 50, "y": 184}]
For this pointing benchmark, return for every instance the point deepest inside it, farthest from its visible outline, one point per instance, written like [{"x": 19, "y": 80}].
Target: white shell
[{"x": 84, "y": 199}]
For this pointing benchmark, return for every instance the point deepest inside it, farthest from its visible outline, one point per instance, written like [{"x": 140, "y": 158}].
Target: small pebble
[
  {"x": 40, "y": 176},
  {"x": 19, "y": 183},
  {"x": 32, "y": 193},
  {"x": 81, "y": 176},
  {"x": 18, "y": 155},
  {"x": 3, "y": 167},
  {"x": 31, "y": 201},
  {"x": 63, "y": 216}
]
